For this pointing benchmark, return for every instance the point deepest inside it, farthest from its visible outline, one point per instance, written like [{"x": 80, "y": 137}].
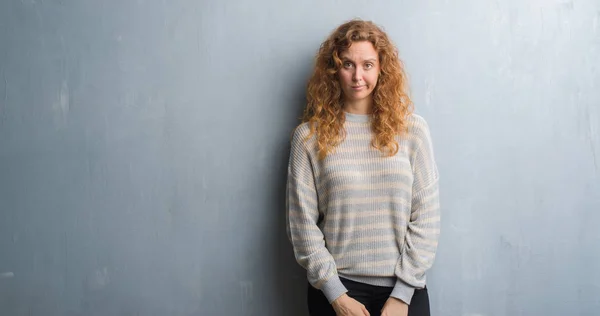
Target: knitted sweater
[{"x": 361, "y": 215}]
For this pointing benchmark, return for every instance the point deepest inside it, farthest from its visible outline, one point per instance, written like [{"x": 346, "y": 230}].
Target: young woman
[{"x": 363, "y": 211}]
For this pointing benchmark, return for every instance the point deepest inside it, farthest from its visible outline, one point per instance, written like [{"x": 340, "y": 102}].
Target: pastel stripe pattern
[{"x": 361, "y": 215}]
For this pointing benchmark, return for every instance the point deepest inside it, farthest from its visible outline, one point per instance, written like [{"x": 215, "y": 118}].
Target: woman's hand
[
  {"x": 394, "y": 307},
  {"x": 347, "y": 306}
]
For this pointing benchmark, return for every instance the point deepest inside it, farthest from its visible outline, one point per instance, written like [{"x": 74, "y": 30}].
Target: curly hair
[{"x": 391, "y": 103}]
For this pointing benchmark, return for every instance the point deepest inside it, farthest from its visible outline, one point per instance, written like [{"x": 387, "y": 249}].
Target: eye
[
  {"x": 369, "y": 65},
  {"x": 347, "y": 64}
]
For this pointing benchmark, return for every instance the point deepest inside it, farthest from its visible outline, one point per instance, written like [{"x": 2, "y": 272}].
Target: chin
[{"x": 360, "y": 95}]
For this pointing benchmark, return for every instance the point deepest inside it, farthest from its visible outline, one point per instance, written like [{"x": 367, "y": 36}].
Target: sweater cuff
[
  {"x": 333, "y": 288},
  {"x": 403, "y": 291}
]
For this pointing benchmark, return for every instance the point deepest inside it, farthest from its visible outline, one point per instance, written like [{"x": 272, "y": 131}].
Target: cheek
[
  {"x": 373, "y": 80},
  {"x": 344, "y": 77}
]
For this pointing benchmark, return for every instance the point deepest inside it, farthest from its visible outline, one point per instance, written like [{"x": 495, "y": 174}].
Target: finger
[
  {"x": 384, "y": 311},
  {"x": 365, "y": 311}
]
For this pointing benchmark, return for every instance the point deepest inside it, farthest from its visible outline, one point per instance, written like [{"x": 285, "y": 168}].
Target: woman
[{"x": 362, "y": 191}]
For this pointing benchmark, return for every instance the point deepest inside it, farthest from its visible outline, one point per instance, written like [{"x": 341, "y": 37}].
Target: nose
[{"x": 357, "y": 75}]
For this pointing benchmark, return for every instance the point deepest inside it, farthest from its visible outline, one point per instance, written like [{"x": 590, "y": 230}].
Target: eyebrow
[{"x": 345, "y": 58}]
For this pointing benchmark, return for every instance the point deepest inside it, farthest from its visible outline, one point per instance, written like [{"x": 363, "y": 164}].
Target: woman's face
[{"x": 360, "y": 71}]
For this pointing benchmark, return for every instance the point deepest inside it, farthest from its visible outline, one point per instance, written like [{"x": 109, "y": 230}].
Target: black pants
[{"x": 373, "y": 297}]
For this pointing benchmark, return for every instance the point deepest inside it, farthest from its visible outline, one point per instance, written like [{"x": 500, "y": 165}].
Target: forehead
[{"x": 360, "y": 51}]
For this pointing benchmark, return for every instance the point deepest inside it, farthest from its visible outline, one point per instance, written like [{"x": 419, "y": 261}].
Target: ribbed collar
[{"x": 360, "y": 118}]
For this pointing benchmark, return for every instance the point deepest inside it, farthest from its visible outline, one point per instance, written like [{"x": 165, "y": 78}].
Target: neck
[{"x": 359, "y": 106}]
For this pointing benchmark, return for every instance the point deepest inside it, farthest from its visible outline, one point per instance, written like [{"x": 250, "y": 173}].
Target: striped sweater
[{"x": 360, "y": 215}]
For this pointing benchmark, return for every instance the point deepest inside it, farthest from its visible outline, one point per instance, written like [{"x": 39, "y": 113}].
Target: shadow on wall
[{"x": 290, "y": 277}]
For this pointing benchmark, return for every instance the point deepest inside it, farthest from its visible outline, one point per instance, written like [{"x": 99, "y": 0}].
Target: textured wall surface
[{"x": 144, "y": 145}]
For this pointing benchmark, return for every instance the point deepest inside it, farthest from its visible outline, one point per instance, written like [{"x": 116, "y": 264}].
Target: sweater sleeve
[
  {"x": 302, "y": 214},
  {"x": 423, "y": 228}
]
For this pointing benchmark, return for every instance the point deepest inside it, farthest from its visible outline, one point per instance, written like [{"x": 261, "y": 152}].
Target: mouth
[{"x": 357, "y": 87}]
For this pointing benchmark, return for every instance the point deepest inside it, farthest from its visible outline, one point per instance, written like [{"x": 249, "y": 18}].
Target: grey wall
[{"x": 143, "y": 150}]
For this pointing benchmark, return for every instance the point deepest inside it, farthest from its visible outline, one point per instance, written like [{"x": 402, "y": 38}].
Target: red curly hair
[{"x": 391, "y": 103}]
